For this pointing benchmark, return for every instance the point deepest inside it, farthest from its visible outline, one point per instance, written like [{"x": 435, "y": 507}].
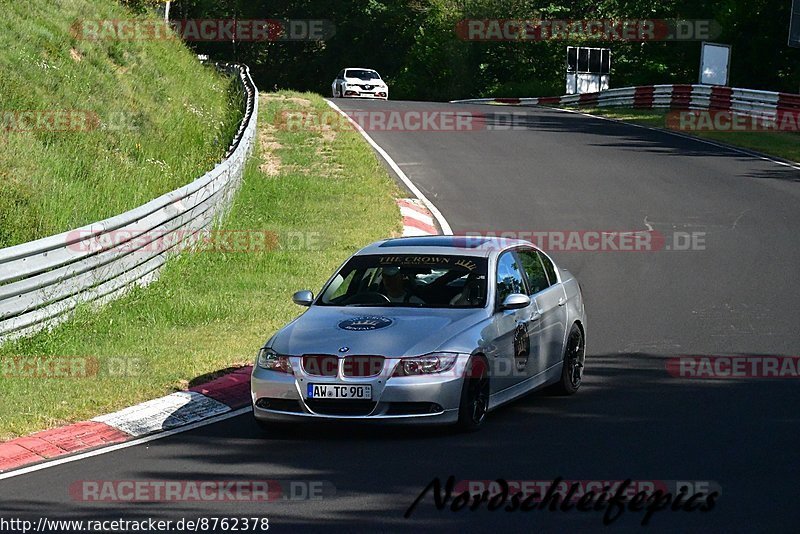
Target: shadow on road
[
  {"x": 631, "y": 419},
  {"x": 618, "y": 135}
]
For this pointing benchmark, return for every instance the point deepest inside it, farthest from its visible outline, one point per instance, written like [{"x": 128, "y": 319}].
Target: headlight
[
  {"x": 271, "y": 360},
  {"x": 426, "y": 365}
]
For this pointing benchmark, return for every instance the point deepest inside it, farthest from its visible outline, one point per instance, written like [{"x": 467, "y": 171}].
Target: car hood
[{"x": 390, "y": 332}]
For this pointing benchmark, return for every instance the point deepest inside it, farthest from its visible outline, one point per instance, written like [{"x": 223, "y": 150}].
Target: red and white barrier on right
[{"x": 766, "y": 105}]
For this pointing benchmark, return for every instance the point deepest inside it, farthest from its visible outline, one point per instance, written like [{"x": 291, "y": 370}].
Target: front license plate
[{"x": 339, "y": 391}]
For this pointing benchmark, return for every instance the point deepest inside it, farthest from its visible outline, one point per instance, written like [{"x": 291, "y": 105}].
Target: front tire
[
  {"x": 574, "y": 362},
  {"x": 474, "y": 396}
]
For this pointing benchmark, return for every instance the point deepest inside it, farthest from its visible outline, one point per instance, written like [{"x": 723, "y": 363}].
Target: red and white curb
[
  {"x": 417, "y": 220},
  {"x": 219, "y": 396},
  {"x": 174, "y": 410},
  {"x": 420, "y": 196},
  {"x": 173, "y": 413},
  {"x": 767, "y": 104}
]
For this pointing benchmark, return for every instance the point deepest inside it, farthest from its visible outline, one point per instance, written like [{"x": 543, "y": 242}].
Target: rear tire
[
  {"x": 474, "y": 396},
  {"x": 574, "y": 362}
]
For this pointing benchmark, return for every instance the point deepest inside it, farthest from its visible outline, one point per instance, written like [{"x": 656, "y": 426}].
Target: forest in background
[{"x": 414, "y": 44}]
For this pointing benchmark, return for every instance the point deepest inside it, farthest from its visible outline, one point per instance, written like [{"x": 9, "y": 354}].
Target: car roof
[
  {"x": 359, "y": 68},
  {"x": 479, "y": 246}
]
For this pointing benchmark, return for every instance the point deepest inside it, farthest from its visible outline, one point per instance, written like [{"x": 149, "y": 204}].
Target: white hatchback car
[{"x": 359, "y": 83}]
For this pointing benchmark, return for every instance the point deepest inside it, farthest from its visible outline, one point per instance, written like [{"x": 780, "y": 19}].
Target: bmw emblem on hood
[{"x": 368, "y": 322}]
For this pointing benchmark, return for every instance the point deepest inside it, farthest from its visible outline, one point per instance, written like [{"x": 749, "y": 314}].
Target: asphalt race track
[{"x": 554, "y": 171}]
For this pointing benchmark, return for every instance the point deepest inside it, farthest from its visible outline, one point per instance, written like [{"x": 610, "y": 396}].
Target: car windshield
[
  {"x": 362, "y": 74},
  {"x": 409, "y": 280}
]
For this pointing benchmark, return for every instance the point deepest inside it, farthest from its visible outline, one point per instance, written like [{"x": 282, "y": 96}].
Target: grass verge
[
  {"x": 781, "y": 144},
  {"x": 323, "y": 193},
  {"x": 90, "y": 128}
]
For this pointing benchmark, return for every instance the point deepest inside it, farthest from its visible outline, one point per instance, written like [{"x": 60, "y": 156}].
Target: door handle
[
  {"x": 535, "y": 317},
  {"x": 562, "y": 301}
]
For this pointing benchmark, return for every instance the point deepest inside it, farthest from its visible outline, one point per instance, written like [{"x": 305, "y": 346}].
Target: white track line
[
  {"x": 731, "y": 148},
  {"x": 123, "y": 445},
  {"x": 724, "y": 146},
  {"x": 443, "y": 224}
]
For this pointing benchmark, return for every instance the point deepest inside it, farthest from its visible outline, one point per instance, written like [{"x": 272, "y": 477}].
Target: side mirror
[
  {"x": 516, "y": 301},
  {"x": 303, "y": 298}
]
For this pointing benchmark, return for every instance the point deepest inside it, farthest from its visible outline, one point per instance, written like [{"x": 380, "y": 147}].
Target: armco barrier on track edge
[{"x": 749, "y": 102}]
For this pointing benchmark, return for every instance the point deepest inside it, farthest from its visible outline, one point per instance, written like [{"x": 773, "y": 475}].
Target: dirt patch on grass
[
  {"x": 303, "y": 102},
  {"x": 213, "y": 311},
  {"x": 328, "y": 134},
  {"x": 270, "y": 161}
]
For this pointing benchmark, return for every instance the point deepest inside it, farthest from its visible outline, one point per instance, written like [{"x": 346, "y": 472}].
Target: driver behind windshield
[
  {"x": 396, "y": 287},
  {"x": 363, "y": 74}
]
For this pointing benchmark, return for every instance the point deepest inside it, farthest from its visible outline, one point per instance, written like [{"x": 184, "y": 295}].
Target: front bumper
[
  {"x": 431, "y": 399},
  {"x": 360, "y": 93}
]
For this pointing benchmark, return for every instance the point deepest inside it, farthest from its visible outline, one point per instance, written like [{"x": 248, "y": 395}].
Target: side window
[
  {"x": 549, "y": 268},
  {"x": 340, "y": 76},
  {"x": 509, "y": 276},
  {"x": 537, "y": 279}
]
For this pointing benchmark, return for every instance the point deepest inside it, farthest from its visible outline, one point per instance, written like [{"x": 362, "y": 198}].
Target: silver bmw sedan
[{"x": 435, "y": 329}]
